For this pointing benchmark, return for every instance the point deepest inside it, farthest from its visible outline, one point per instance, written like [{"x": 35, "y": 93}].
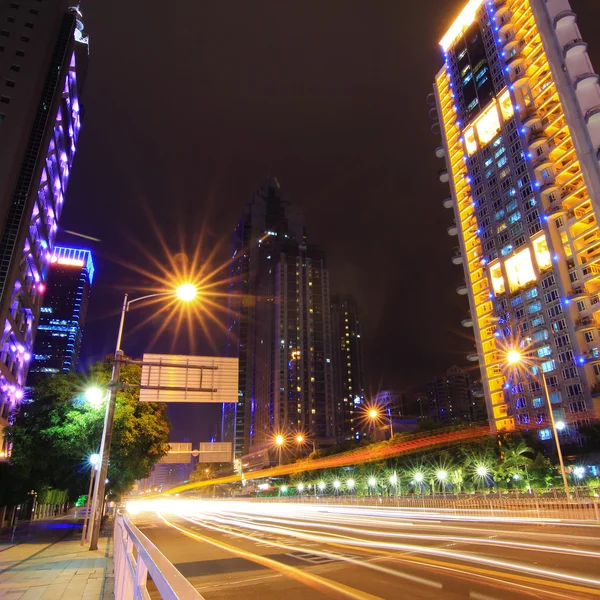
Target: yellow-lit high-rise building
[{"x": 519, "y": 109}]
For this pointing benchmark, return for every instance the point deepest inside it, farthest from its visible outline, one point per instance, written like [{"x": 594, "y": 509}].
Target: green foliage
[{"x": 56, "y": 432}]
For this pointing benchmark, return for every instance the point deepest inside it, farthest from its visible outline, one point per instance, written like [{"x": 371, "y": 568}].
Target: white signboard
[
  {"x": 215, "y": 452},
  {"x": 180, "y": 453},
  {"x": 180, "y": 378}
]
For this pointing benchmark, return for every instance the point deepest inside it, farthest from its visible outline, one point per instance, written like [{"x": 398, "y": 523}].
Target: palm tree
[{"x": 516, "y": 459}]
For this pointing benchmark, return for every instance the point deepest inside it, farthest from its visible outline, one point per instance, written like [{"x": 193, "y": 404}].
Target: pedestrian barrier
[
  {"x": 492, "y": 506},
  {"x": 136, "y": 559}
]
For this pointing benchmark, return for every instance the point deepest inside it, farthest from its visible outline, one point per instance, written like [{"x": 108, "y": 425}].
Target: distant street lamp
[
  {"x": 185, "y": 293},
  {"x": 513, "y": 358},
  {"x": 374, "y": 415}
]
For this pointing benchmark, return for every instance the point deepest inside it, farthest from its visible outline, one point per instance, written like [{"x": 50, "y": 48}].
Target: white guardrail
[{"x": 136, "y": 557}]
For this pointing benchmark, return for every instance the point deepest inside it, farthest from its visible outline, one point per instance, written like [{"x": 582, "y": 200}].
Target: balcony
[
  {"x": 574, "y": 47},
  {"x": 578, "y": 292},
  {"x": 462, "y": 290},
  {"x": 586, "y": 80},
  {"x": 595, "y": 390},
  {"x": 537, "y": 138},
  {"x": 585, "y": 323},
  {"x": 457, "y": 258},
  {"x": 530, "y": 117},
  {"x": 440, "y": 152},
  {"x": 443, "y": 175},
  {"x": 566, "y": 17},
  {"x": 448, "y": 202},
  {"x": 592, "y": 113},
  {"x": 453, "y": 230}
]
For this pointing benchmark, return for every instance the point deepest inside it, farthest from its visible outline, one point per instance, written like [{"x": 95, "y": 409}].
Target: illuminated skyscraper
[
  {"x": 62, "y": 319},
  {"x": 280, "y": 327},
  {"x": 44, "y": 55},
  {"x": 347, "y": 365},
  {"x": 519, "y": 108}
]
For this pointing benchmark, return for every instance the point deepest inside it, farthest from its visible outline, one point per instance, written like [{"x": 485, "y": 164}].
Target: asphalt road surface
[{"x": 244, "y": 550}]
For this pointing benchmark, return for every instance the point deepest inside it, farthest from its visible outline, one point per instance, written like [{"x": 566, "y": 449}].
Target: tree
[
  {"x": 56, "y": 431},
  {"x": 515, "y": 460}
]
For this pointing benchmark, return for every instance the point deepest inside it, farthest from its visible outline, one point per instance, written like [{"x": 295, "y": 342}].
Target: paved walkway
[{"x": 48, "y": 563}]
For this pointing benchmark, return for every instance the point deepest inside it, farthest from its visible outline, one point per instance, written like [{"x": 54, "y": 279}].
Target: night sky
[{"x": 189, "y": 105}]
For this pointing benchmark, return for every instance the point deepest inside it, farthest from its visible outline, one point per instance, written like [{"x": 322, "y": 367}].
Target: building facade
[
  {"x": 452, "y": 398},
  {"x": 519, "y": 109},
  {"x": 280, "y": 328},
  {"x": 347, "y": 365},
  {"x": 44, "y": 53},
  {"x": 62, "y": 316}
]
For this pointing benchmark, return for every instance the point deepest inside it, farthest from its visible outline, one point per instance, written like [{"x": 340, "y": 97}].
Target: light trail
[
  {"x": 305, "y": 577},
  {"x": 375, "y": 452},
  {"x": 353, "y": 542},
  {"x": 357, "y": 530}
]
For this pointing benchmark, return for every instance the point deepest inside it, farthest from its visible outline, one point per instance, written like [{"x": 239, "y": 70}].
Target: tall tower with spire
[
  {"x": 44, "y": 51},
  {"x": 280, "y": 327}
]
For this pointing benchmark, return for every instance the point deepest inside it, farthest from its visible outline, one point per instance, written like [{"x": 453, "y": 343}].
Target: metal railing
[
  {"x": 136, "y": 557},
  {"x": 517, "y": 506}
]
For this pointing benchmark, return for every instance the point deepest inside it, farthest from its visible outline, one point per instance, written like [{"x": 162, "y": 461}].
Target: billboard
[
  {"x": 215, "y": 452},
  {"x": 180, "y": 453},
  {"x": 181, "y": 378}
]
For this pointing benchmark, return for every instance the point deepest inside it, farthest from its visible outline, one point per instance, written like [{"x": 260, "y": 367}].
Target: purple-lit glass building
[{"x": 44, "y": 52}]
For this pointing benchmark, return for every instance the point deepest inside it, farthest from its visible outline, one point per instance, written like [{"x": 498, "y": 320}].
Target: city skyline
[{"x": 341, "y": 151}]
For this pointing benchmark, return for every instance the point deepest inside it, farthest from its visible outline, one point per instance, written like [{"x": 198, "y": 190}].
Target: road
[{"x": 245, "y": 550}]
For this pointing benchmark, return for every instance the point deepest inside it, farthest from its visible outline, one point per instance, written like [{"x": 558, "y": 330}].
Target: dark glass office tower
[
  {"x": 348, "y": 365},
  {"x": 280, "y": 327},
  {"x": 62, "y": 319}
]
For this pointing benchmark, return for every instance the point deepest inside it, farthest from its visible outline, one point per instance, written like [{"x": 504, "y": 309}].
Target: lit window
[
  {"x": 519, "y": 270},
  {"x": 488, "y": 124},
  {"x": 497, "y": 279},
  {"x": 470, "y": 141},
  {"x": 506, "y": 105},
  {"x": 542, "y": 254},
  {"x": 545, "y": 434}
]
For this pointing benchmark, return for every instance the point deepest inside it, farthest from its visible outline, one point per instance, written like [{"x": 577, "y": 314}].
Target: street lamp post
[
  {"x": 279, "y": 441},
  {"x": 93, "y": 460},
  {"x": 514, "y": 357},
  {"x": 186, "y": 293}
]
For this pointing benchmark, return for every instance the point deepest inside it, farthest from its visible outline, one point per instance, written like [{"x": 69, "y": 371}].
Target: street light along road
[
  {"x": 515, "y": 358},
  {"x": 185, "y": 292}
]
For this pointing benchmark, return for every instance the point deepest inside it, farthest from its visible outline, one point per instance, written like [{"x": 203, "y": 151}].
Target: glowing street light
[
  {"x": 337, "y": 484},
  {"x": 94, "y": 459},
  {"x": 322, "y": 485},
  {"x": 514, "y": 358},
  {"x": 300, "y": 487},
  {"x": 579, "y": 472},
  {"x": 482, "y": 471},
  {"x": 283, "y": 489},
  {"x": 372, "y": 482},
  {"x": 94, "y": 396},
  {"x": 441, "y": 475},
  {"x": 373, "y": 414},
  {"x": 185, "y": 293},
  {"x": 516, "y": 477},
  {"x": 279, "y": 440},
  {"x": 419, "y": 477},
  {"x": 300, "y": 438},
  {"x": 394, "y": 479},
  {"x": 350, "y": 484}
]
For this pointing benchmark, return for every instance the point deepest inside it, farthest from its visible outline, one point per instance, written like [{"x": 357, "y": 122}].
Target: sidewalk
[{"x": 47, "y": 562}]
